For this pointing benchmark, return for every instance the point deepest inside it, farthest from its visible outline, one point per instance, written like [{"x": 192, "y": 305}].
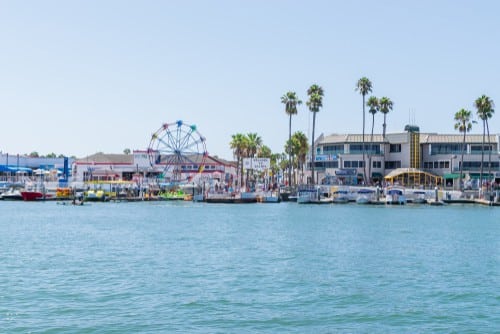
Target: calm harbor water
[{"x": 161, "y": 267}]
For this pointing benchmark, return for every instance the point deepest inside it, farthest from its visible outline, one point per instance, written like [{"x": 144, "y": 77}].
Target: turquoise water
[{"x": 162, "y": 267}]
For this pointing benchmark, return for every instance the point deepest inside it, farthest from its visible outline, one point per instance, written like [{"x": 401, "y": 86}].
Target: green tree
[
  {"x": 385, "y": 105},
  {"x": 34, "y": 154},
  {"x": 126, "y": 151},
  {"x": 463, "y": 124},
  {"x": 314, "y": 104},
  {"x": 239, "y": 144},
  {"x": 51, "y": 155},
  {"x": 300, "y": 147},
  {"x": 485, "y": 111},
  {"x": 264, "y": 152},
  {"x": 372, "y": 103},
  {"x": 364, "y": 86},
  {"x": 254, "y": 144},
  {"x": 291, "y": 101}
]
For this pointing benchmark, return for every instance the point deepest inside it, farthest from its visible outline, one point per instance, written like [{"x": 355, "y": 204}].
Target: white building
[{"x": 340, "y": 156}]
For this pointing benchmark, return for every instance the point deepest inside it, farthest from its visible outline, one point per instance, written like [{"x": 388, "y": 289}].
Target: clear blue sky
[{"x": 78, "y": 77}]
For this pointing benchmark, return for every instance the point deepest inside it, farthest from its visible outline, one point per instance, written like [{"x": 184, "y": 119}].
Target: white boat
[
  {"x": 395, "y": 196},
  {"x": 417, "y": 197},
  {"x": 269, "y": 197},
  {"x": 341, "y": 196},
  {"x": 12, "y": 194},
  {"x": 311, "y": 194},
  {"x": 365, "y": 196}
]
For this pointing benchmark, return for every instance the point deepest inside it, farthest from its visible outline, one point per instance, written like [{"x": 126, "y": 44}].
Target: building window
[
  {"x": 393, "y": 164},
  {"x": 369, "y": 148},
  {"x": 476, "y": 149},
  {"x": 333, "y": 149},
  {"x": 376, "y": 164},
  {"x": 353, "y": 164},
  {"x": 446, "y": 148},
  {"x": 327, "y": 164},
  {"x": 395, "y": 148}
]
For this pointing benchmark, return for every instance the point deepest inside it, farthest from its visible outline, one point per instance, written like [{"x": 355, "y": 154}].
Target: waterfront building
[
  {"x": 137, "y": 167},
  {"x": 339, "y": 157},
  {"x": 16, "y": 167}
]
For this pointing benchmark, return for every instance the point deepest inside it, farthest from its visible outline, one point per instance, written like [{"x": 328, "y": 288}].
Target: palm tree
[
  {"x": 300, "y": 148},
  {"x": 254, "y": 144},
  {"x": 385, "y": 105},
  {"x": 364, "y": 86},
  {"x": 291, "y": 101},
  {"x": 463, "y": 124},
  {"x": 314, "y": 103},
  {"x": 484, "y": 106},
  {"x": 239, "y": 144},
  {"x": 264, "y": 152},
  {"x": 372, "y": 103}
]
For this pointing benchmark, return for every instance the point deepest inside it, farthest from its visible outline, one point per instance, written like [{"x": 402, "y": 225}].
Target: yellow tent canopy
[{"x": 412, "y": 177}]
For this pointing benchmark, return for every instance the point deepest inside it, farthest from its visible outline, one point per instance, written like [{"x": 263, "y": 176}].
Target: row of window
[
  {"x": 396, "y": 148},
  {"x": 468, "y": 165},
  {"x": 195, "y": 167},
  {"x": 457, "y": 148},
  {"x": 358, "y": 164},
  {"x": 436, "y": 164},
  {"x": 353, "y": 149}
]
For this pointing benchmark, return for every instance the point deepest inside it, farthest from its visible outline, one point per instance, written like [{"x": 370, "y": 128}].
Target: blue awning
[{"x": 13, "y": 169}]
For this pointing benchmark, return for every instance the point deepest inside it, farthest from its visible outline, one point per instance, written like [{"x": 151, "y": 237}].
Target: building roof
[
  {"x": 128, "y": 159},
  {"x": 433, "y": 138},
  {"x": 402, "y": 137},
  {"x": 350, "y": 138},
  {"x": 103, "y": 158}
]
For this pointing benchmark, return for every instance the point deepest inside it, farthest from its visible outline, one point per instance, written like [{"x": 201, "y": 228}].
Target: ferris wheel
[{"x": 179, "y": 149}]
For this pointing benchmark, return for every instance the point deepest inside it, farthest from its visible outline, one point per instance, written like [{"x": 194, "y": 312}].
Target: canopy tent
[
  {"x": 412, "y": 177},
  {"x": 14, "y": 169}
]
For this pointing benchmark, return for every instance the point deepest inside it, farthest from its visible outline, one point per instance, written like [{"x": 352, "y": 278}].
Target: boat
[
  {"x": 395, "y": 196},
  {"x": 365, "y": 196},
  {"x": 341, "y": 196},
  {"x": 231, "y": 198},
  {"x": 12, "y": 194},
  {"x": 417, "y": 197},
  {"x": 312, "y": 194},
  {"x": 269, "y": 197},
  {"x": 31, "y": 195},
  {"x": 95, "y": 196}
]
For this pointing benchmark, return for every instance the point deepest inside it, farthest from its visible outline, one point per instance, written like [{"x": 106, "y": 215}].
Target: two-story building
[{"x": 339, "y": 157}]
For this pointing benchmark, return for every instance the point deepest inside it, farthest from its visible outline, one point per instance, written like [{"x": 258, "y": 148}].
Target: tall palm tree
[
  {"x": 239, "y": 144},
  {"x": 372, "y": 103},
  {"x": 300, "y": 148},
  {"x": 314, "y": 103},
  {"x": 254, "y": 146},
  {"x": 291, "y": 101},
  {"x": 463, "y": 124},
  {"x": 484, "y": 106},
  {"x": 364, "y": 86},
  {"x": 385, "y": 105},
  {"x": 264, "y": 152}
]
